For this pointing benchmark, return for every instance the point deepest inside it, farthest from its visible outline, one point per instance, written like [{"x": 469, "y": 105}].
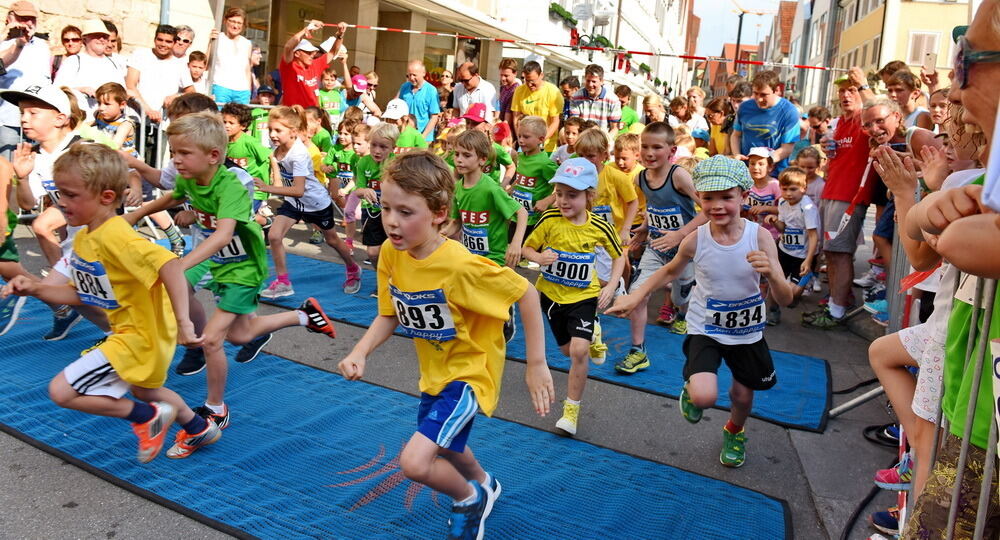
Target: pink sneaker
[
  {"x": 353, "y": 282},
  {"x": 667, "y": 316},
  {"x": 898, "y": 478}
]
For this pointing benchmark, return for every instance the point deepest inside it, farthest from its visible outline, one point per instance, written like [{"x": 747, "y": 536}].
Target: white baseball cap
[
  {"x": 761, "y": 151},
  {"x": 306, "y": 46},
  {"x": 395, "y": 110},
  {"x": 44, "y": 92}
]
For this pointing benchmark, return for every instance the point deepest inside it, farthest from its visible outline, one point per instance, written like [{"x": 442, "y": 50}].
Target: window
[
  {"x": 864, "y": 56},
  {"x": 849, "y": 15},
  {"x": 920, "y": 44},
  {"x": 877, "y": 50}
]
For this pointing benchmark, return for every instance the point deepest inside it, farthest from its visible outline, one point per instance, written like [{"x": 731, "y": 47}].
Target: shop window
[{"x": 920, "y": 44}]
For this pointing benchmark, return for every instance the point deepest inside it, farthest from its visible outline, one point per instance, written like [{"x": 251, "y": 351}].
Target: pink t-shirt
[{"x": 768, "y": 195}]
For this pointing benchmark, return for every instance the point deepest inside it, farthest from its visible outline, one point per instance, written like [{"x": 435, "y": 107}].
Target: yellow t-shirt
[
  {"x": 116, "y": 269},
  {"x": 573, "y": 277},
  {"x": 615, "y": 189},
  {"x": 453, "y": 304},
  {"x": 640, "y": 214},
  {"x": 317, "y": 159},
  {"x": 546, "y": 102},
  {"x": 721, "y": 139}
]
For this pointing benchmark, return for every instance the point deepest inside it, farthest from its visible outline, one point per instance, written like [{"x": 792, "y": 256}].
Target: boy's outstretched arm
[
  {"x": 536, "y": 375},
  {"x": 352, "y": 367},
  {"x": 623, "y": 305},
  {"x": 765, "y": 261},
  {"x": 971, "y": 244},
  {"x": 513, "y": 255},
  {"x": 172, "y": 277},
  {"x": 52, "y": 294}
]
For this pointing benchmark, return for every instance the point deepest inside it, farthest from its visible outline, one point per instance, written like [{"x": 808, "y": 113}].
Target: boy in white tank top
[{"x": 726, "y": 312}]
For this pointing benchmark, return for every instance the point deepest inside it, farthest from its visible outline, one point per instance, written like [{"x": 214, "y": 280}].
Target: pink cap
[
  {"x": 359, "y": 82},
  {"x": 476, "y": 113}
]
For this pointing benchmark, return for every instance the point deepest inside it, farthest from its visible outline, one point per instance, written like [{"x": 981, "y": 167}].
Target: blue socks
[
  {"x": 142, "y": 412},
  {"x": 196, "y": 425}
]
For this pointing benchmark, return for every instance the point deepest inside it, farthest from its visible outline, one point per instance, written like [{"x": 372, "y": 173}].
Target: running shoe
[
  {"x": 467, "y": 521},
  {"x": 277, "y": 289},
  {"x": 185, "y": 445},
  {"x": 353, "y": 282},
  {"x": 881, "y": 318},
  {"x": 875, "y": 293},
  {"x": 316, "y": 238},
  {"x": 689, "y": 411},
  {"x": 877, "y": 306},
  {"x": 221, "y": 420},
  {"x": 350, "y": 243},
  {"x": 318, "y": 321},
  {"x": 251, "y": 349},
  {"x": 824, "y": 321},
  {"x": 877, "y": 261},
  {"x": 734, "y": 450},
  {"x": 667, "y": 315},
  {"x": 808, "y": 316},
  {"x": 679, "y": 327},
  {"x": 61, "y": 325},
  {"x": 773, "y": 317},
  {"x": 152, "y": 433},
  {"x": 816, "y": 286},
  {"x": 10, "y": 308},
  {"x": 525, "y": 263},
  {"x": 493, "y": 489},
  {"x": 510, "y": 326},
  {"x": 598, "y": 350},
  {"x": 192, "y": 362},
  {"x": 898, "y": 478},
  {"x": 635, "y": 360},
  {"x": 177, "y": 248},
  {"x": 869, "y": 278},
  {"x": 886, "y": 521},
  {"x": 571, "y": 413}
]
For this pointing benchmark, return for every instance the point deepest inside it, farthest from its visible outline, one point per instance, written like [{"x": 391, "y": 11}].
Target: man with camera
[{"x": 24, "y": 58}]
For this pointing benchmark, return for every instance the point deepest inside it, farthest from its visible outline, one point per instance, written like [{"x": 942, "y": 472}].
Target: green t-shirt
[
  {"x": 409, "y": 138},
  {"x": 247, "y": 152},
  {"x": 500, "y": 157},
  {"x": 243, "y": 260},
  {"x": 332, "y": 102},
  {"x": 258, "y": 124},
  {"x": 323, "y": 140},
  {"x": 485, "y": 211},
  {"x": 531, "y": 182},
  {"x": 343, "y": 161},
  {"x": 368, "y": 174},
  {"x": 629, "y": 117}
]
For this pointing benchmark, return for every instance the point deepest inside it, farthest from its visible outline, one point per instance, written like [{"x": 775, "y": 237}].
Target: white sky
[{"x": 719, "y": 23}]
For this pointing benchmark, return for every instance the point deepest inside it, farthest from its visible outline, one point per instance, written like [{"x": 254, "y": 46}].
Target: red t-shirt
[
  {"x": 848, "y": 165},
  {"x": 300, "y": 85}
]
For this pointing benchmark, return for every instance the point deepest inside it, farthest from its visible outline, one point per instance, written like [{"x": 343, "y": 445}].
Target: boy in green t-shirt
[
  {"x": 340, "y": 160},
  {"x": 330, "y": 98},
  {"x": 244, "y": 150},
  {"x": 475, "y": 119},
  {"x": 483, "y": 210},
  {"x": 231, "y": 248},
  {"x": 258, "y": 116},
  {"x": 398, "y": 112},
  {"x": 368, "y": 182},
  {"x": 531, "y": 186}
]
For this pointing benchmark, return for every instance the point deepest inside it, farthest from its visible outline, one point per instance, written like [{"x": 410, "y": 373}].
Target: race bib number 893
[{"x": 423, "y": 314}]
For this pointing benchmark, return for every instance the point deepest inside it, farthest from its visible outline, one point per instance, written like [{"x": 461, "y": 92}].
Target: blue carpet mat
[
  {"x": 800, "y": 400},
  {"x": 299, "y": 461}
]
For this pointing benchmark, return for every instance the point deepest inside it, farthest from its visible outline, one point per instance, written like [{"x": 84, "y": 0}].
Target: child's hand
[
  {"x": 668, "y": 241},
  {"x": 626, "y": 237},
  {"x": 186, "y": 335},
  {"x": 368, "y": 194},
  {"x": 805, "y": 268},
  {"x": 540, "y": 206},
  {"x": 513, "y": 255},
  {"x": 184, "y": 218},
  {"x": 259, "y": 185},
  {"x": 539, "y": 381},
  {"x": 623, "y": 305},
  {"x": 760, "y": 262},
  {"x": 952, "y": 205},
  {"x": 935, "y": 165},
  {"x": 607, "y": 294},
  {"x": 898, "y": 174},
  {"x": 547, "y": 257},
  {"x": 327, "y": 169},
  {"x": 133, "y": 198},
  {"x": 770, "y": 219},
  {"x": 23, "y": 160},
  {"x": 352, "y": 368},
  {"x": 18, "y": 286}
]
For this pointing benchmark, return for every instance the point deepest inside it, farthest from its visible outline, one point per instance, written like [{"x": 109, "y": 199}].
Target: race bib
[
  {"x": 734, "y": 317},
  {"x": 423, "y": 314},
  {"x": 476, "y": 240},
  {"x": 231, "y": 252},
  {"x": 524, "y": 198},
  {"x": 966, "y": 290},
  {"x": 571, "y": 269},
  {"x": 92, "y": 283},
  {"x": 661, "y": 220},
  {"x": 793, "y": 239},
  {"x": 760, "y": 200},
  {"x": 50, "y": 188},
  {"x": 604, "y": 211},
  {"x": 377, "y": 187}
]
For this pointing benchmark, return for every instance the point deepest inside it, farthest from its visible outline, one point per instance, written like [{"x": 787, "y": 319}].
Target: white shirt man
[
  {"x": 472, "y": 88},
  {"x": 156, "y": 75}
]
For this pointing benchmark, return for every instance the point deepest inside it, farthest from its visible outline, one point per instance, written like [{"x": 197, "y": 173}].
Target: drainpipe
[
  {"x": 828, "y": 58},
  {"x": 164, "y": 11}
]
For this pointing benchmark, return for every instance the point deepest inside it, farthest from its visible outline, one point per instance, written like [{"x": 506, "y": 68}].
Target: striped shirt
[
  {"x": 605, "y": 109},
  {"x": 506, "y": 97}
]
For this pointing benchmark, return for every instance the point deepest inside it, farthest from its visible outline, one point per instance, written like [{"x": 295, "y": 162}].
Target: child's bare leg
[
  {"x": 93, "y": 314},
  {"x": 419, "y": 462},
  {"x": 65, "y": 396},
  {"x": 578, "y": 349},
  {"x": 465, "y": 463},
  {"x": 742, "y": 400},
  {"x": 215, "y": 355},
  {"x": 333, "y": 240},
  {"x": 246, "y": 328},
  {"x": 637, "y": 321},
  {"x": 373, "y": 252},
  {"x": 703, "y": 389},
  {"x": 276, "y": 236},
  {"x": 184, "y": 413},
  {"x": 45, "y": 228}
]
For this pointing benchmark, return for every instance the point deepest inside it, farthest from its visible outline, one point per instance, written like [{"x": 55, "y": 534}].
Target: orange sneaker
[
  {"x": 185, "y": 445},
  {"x": 152, "y": 433},
  {"x": 318, "y": 321}
]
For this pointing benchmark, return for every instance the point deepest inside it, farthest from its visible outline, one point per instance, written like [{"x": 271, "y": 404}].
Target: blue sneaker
[
  {"x": 877, "y": 306},
  {"x": 493, "y": 489},
  {"x": 252, "y": 348},
  {"x": 10, "y": 307},
  {"x": 875, "y": 293},
  {"x": 62, "y": 325},
  {"x": 467, "y": 520},
  {"x": 881, "y": 318},
  {"x": 886, "y": 521}
]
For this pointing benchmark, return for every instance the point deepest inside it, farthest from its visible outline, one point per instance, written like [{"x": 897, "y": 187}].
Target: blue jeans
[
  {"x": 9, "y": 137},
  {"x": 225, "y": 95}
]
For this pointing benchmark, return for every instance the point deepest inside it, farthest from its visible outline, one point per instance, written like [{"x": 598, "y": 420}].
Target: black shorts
[
  {"x": 568, "y": 321},
  {"x": 751, "y": 364},
  {"x": 790, "y": 266},
  {"x": 321, "y": 218},
  {"x": 372, "y": 231}
]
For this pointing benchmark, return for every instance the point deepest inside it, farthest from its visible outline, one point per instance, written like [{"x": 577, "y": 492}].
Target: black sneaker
[
  {"x": 192, "y": 362},
  {"x": 510, "y": 326},
  {"x": 221, "y": 420},
  {"x": 61, "y": 325},
  {"x": 252, "y": 348}
]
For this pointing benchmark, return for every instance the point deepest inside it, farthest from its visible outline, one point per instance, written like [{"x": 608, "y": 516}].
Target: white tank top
[
  {"x": 726, "y": 304},
  {"x": 231, "y": 60}
]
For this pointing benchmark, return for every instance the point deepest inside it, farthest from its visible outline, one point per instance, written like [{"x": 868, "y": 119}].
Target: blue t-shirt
[
  {"x": 423, "y": 103},
  {"x": 769, "y": 128}
]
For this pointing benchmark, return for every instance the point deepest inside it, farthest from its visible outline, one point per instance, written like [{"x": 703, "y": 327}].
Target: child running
[
  {"x": 726, "y": 313},
  {"x": 368, "y": 182},
  {"x": 305, "y": 200},
  {"x": 534, "y": 170},
  {"x": 798, "y": 222},
  {"x": 244, "y": 150},
  {"x": 141, "y": 287},
  {"x": 563, "y": 244},
  {"x": 454, "y": 305},
  {"x": 571, "y": 132},
  {"x": 331, "y": 101},
  {"x": 359, "y": 145}
]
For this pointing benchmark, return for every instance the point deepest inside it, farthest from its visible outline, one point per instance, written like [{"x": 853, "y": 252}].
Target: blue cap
[
  {"x": 700, "y": 134},
  {"x": 577, "y": 173},
  {"x": 265, "y": 89}
]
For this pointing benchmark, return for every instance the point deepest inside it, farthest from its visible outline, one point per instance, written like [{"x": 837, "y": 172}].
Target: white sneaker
[
  {"x": 816, "y": 286},
  {"x": 598, "y": 350},
  {"x": 868, "y": 279},
  {"x": 277, "y": 289}
]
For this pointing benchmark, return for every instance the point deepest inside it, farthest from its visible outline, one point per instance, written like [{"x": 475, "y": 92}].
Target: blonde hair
[
  {"x": 697, "y": 90},
  {"x": 534, "y": 125},
  {"x": 628, "y": 141},
  {"x": 688, "y": 163},
  {"x": 294, "y": 117},
  {"x": 204, "y": 129},
  {"x": 386, "y": 132},
  {"x": 100, "y": 168},
  {"x": 476, "y": 141},
  {"x": 792, "y": 176},
  {"x": 682, "y": 137},
  {"x": 425, "y": 174},
  {"x": 361, "y": 130},
  {"x": 592, "y": 141}
]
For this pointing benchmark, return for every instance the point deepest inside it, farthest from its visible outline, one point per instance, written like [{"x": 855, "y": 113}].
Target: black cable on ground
[
  {"x": 860, "y": 508},
  {"x": 876, "y": 435},
  {"x": 856, "y": 386}
]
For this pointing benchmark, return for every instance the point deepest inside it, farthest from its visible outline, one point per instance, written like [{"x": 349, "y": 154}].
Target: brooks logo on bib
[
  {"x": 734, "y": 317},
  {"x": 604, "y": 211},
  {"x": 524, "y": 198},
  {"x": 423, "y": 314},
  {"x": 50, "y": 187},
  {"x": 476, "y": 240},
  {"x": 92, "y": 283},
  {"x": 571, "y": 269}
]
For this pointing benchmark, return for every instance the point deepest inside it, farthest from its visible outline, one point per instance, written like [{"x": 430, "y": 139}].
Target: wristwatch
[{"x": 864, "y": 87}]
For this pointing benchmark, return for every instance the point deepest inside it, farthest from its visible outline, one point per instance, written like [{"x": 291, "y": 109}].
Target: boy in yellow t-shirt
[
  {"x": 141, "y": 287},
  {"x": 454, "y": 305},
  {"x": 563, "y": 243}
]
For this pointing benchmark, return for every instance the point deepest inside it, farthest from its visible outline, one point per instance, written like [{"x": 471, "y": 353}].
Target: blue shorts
[
  {"x": 886, "y": 224},
  {"x": 447, "y": 417},
  {"x": 225, "y": 95}
]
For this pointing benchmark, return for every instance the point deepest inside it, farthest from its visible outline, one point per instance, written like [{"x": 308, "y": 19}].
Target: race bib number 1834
[{"x": 734, "y": 317}]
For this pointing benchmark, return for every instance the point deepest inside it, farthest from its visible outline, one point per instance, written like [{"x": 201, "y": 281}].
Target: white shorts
[
  {"x": 926, "y": 345},
  {"x": 92, "y": 375},
  {"x": 603, "y": 263},
  {"x": 650, "y": 262}
]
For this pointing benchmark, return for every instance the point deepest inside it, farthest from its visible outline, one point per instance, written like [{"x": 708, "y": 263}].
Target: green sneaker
[
  {"x": 688, "y": 410},
  {"x": 734, "y": 451},
  {"x": 635, "y": 360},
  {"x": 679, "y": 327},
  {"x": 825, "y": 321}
]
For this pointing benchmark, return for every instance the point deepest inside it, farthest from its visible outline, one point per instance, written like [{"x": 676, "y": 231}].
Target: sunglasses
[
  {"x": 184, "y": 40},
  {"x": 463, "y": 81},
  {"x": 966, "y": 56},
  {"x": 72, "y": 40}
]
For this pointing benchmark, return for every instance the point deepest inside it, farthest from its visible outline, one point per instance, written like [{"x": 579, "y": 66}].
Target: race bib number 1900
[
  {"x": 571, "y": 269},
  {"x": 423, "y": 314},
  {"x": 92, "y": 283},
  {"x": 734, "y": 317}
]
